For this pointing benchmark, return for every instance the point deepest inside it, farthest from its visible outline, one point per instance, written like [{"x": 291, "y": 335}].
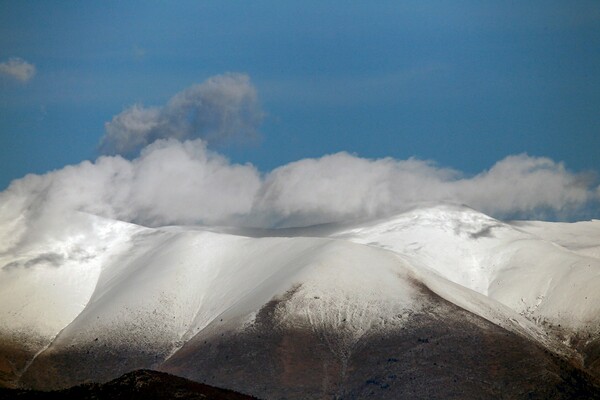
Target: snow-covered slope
[
  {"x": 581, "y": 237},
  {"x": 122, "y": 296},
  {"x": 532, "y": 273},
  {"x": 47, "y": 282}
]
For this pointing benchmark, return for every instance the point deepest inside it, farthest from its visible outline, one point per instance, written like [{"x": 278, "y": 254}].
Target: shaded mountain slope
[{"x": 438, "y": 352}]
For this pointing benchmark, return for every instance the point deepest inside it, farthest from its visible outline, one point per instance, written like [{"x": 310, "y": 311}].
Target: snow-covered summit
[{"x": 518, "y": 264}]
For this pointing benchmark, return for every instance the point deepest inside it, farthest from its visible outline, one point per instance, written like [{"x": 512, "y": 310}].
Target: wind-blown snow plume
[
  {"x": 222, "y": 108},
  {"x": 17, "y": 68}
]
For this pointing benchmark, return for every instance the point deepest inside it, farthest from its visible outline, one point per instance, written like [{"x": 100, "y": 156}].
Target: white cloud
[
  {"x": 341, "y": 186},
  {"x": 17, "y": 68},
  {"x": 174, "y": 182},
  {"x": 527, "y": 187},
  {"x": 169, "y": 183},
  {"x": 222, "y": 108}
]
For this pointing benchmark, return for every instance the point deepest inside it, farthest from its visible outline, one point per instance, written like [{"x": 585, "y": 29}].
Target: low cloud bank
[
  {"x": 171, "y": 182},
  {"x": 223, "y": 108},
  {"x": 17, "y": 68},
  {"x": 342, "y": 186},
  {"x": 174, "y": 182},
  {"x": 176, "y": 179}
]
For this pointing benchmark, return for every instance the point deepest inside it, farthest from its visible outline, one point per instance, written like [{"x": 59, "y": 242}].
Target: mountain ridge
[
  {"x": 154, "y": 297},
  {"x": 139, "y": 384}
]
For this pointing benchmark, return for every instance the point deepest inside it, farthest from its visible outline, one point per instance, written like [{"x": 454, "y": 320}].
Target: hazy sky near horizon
[{"x": 461, "y": 83}]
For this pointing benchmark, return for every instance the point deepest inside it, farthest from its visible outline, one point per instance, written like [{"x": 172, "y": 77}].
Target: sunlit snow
[{"x": 156, "y": 288}]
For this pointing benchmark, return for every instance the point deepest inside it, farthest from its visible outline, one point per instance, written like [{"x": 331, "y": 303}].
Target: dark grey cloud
[{"x": 223, "y": 108}]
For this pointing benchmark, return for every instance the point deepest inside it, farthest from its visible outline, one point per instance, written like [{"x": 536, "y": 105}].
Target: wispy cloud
[
  {"x": 17, "y": 68},
  {"x": 222, "y": 108}
]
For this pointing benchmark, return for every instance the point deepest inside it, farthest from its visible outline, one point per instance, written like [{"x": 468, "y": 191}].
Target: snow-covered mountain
[{"x": 441, "y": 301}]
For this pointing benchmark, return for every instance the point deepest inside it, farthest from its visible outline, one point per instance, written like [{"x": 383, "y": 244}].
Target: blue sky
[{"x": 463, "y": 83}]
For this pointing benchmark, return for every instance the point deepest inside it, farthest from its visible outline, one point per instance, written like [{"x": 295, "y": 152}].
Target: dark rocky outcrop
[{"x": 141, "y": 384}]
